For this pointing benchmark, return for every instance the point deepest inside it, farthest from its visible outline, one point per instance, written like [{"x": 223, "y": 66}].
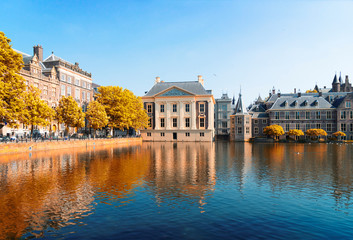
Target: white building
[{"x": 179, "y": 111}]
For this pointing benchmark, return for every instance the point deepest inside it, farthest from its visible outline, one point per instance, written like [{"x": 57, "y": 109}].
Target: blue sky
[{"x": 255, "y": 44}]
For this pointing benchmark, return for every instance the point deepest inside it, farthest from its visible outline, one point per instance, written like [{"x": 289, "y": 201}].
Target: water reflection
[{"x": 44, "y": 192}]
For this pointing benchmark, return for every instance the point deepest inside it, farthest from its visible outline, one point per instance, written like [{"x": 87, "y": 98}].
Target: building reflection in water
[
  {"x": 181, "y": 172},
  {"x": 49, "y": 191}
]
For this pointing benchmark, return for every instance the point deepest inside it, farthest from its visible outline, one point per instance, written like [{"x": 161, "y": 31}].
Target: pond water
[{"x": 215, "y": 190}]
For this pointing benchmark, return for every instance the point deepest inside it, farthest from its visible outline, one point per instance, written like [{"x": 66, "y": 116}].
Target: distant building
[
  {"x": 222, "y": 116},
  {"x": 179, "y": 111},
  {"x": 240, "y": 123},
  {"x": 55, "y": 77}
]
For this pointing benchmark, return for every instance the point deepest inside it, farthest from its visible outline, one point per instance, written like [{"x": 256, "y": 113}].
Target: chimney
[
  {"x": 299, "y": 93},
  {"x": 279, "y": 93},
  {"x": 158, "y": 79},
  {"x": 320, "y": 94},
  {"x": 295, "y": 90},
  {"x": 199, "y": 79},
  {"x": 346, "y": 80},
  {"x": 273, "y": 90},
  {"x": 38, "y": 50}
]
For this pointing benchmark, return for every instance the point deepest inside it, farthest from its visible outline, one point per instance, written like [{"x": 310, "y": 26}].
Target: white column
[
  {"x": 210, "y": 115},
  {"x": 193, "y": 114},
  {"x": 156, "y": 115},
  {"x": 167, "y": 119},
  {"x": 181, "y": 115}
]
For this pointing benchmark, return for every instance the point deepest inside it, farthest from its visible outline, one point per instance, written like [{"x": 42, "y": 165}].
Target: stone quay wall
[{"x": 10, "y": 148}]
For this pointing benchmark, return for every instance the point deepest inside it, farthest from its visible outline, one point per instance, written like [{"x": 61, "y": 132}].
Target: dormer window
[
  {"x": 295, "y": 103},
  {"x": 316, "y": 102},
  {"x": 305, "y": 103},
  {"x": 285, "y": 103},
  {"x": 348, "y": 104}
]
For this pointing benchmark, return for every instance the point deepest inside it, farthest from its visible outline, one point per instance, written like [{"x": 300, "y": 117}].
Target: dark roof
[
  {"x": 259, "y": 115},
  {"x": 295, "y": 102},
  {"x": 193, "y": 87},
  {"x": 335, "y": 79}
]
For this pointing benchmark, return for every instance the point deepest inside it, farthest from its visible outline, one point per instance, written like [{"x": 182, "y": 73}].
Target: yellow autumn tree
[
  {"x": 96, "y": 115},
  {"x": 315, "y": 133},
  {"x": 123, "y": 108},
  {"x": 37, "y": 111},
  {"x": 12, "y": 86},
  {"x": 273, "y": 130},
  {"x": 339, "y": 134},
  {"x": 311, "y": 91},
  {"x": 295, "y": 132},
  {"x": 69, "y": 113}
]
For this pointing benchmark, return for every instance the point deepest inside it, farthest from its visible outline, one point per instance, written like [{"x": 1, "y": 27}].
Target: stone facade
[
  {"x": 345, "y": 116},
  {"x": 179, "y": 111}
]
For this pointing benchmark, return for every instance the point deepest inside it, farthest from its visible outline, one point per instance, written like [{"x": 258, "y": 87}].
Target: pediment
[{"x": 174, "y": 92}]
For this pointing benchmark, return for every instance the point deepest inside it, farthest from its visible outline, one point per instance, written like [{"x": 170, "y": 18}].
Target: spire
[
  {"x": 335, "y": 79},
  {"x": 239, "y": 107},
  {"x": 340, "y": 79}
]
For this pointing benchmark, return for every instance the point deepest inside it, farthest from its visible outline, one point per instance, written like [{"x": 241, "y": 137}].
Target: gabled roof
[
  {"x": 51, "y": 58},
  {"x": 193, "y": 87},
  {"x": 303, "y": 102}
]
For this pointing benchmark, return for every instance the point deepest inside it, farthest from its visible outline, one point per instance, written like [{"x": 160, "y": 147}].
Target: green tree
[
  {"x": 69, "y": 113},
  {"x": 12, "y": 86},
  {"x": 123, "y": 108},
  {"x": 96, "y": 116},
  {"x": 37, "y": 111},
  {"x": 273, "y": 130}
]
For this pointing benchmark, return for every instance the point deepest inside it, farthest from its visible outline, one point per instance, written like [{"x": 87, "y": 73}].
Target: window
[
  {"x": 53, "y": 92},
  {"x": 307, "y": 115},
  {"x": 187, "y": 107},
  {"x": 240, "y": 130},
  {"x": 256, "y": 130},
  {"x": 343, "y": 114},
  {"x": 286, "y": 115},
  {"x": 83, "y": 84},
  {"x": 276, "y": 115},
  {"x": 83, "y": 95},
  {"x": 149, "y": 108},
  {"x": 88, "y": 96},
  {"x": 351, "y": 127},
  {"x": 224, "y": 115},
  {"x": 264, "y": 121},
  {"x": 150, "y": 122},
  {"x": 317, "y": 115},
  {"x": 348, "y": 104},
  {"x": 247, "y": 120},
  {"x": 187, "y": 122},
  {"x": 297, "y": 115},
  {"x": 45, "y": 90},
  {"x": 202, "y": 122},
  {"x": 68, "y": 91},
  {"x": 307, "y": 126},
  {"x": 297, "y": 126},
  {"x": 88, "y": 86},
  {"x": 68, "y": 79},
  {"x": 318, "y": 125},
  {"x": 162, "y": 134},
  {"x": 149, "y": 134},
  {"x": 351, "y": 114},
  {"x": 239, "y": 120},
  {"x": 162, "y": 123},
  {"x": 175, "y": 122},
  {"x": 329, "y": 127},
  {"x": 175, "y": 108},
  {"x": 256, "y": 121},
  {"x": 224, "y": 125},
  {"x": 36, "y": 85},
  {"x": 329, "y": 115},
  {"x": 202, "y": 107},
  {"x": 224, "y": 107},
  {"x": 247, "y": 130},
  {"x": 343, "y": 127},
  {"x": 287, "y": 127},
  {"x": 202, "y": 134},
  {"x": 77, "y": 82},
  {"x": 63, "y": 77},
  {"x": 77, "y": 93},
  {"x": 162, "y": 107},
  {"x": 187, "y": 134}
]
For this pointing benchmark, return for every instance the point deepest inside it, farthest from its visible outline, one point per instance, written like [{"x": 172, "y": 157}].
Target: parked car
[
  {"x": 5, "y": 139},
  {"x": 13, "y": 138}
]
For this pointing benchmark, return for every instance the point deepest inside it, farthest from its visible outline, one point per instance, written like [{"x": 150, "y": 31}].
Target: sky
[{"x": 250, "y": 45}]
